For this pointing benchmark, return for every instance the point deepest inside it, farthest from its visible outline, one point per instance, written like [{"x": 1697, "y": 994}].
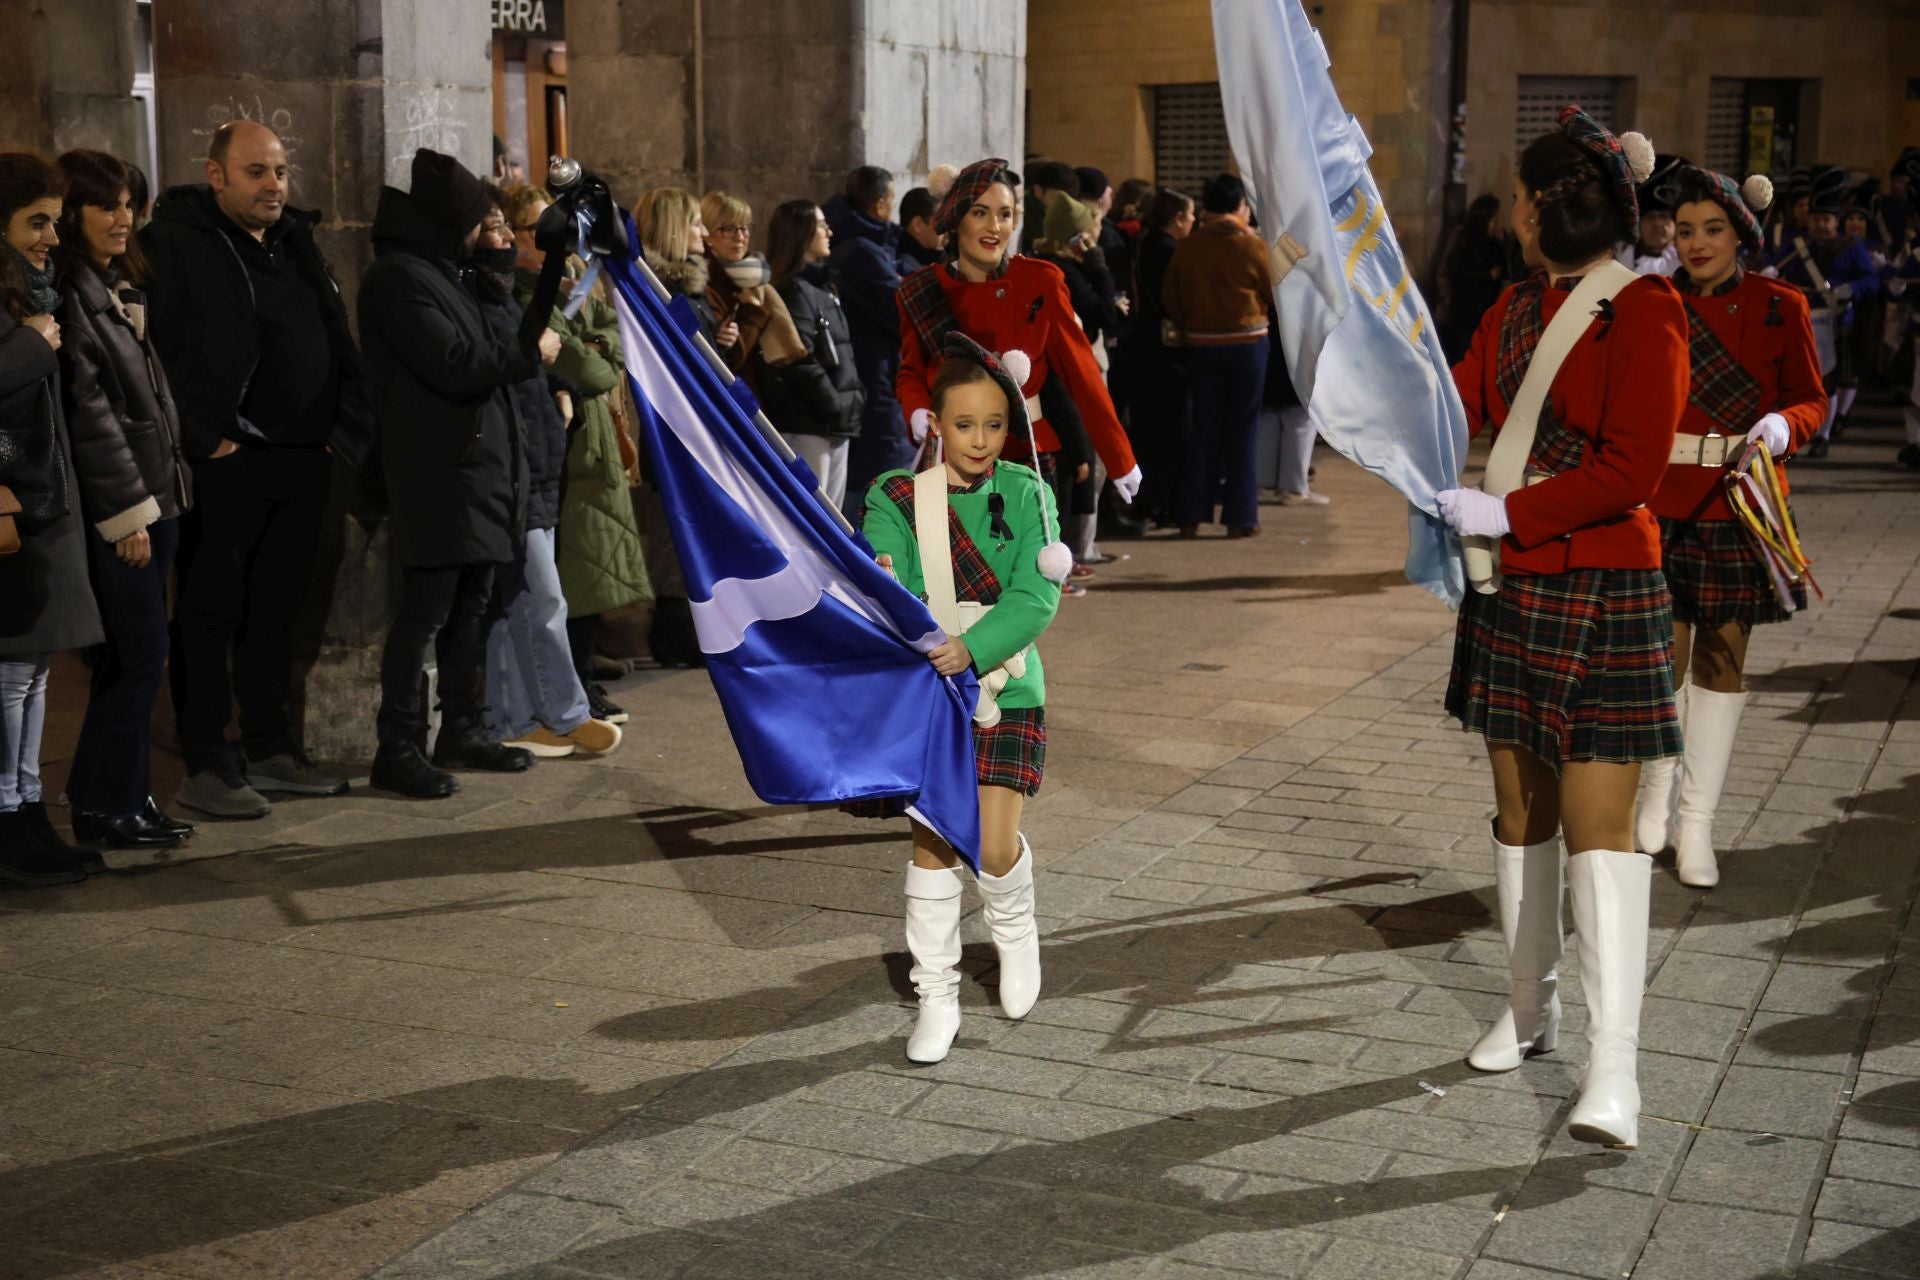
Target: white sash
[
  {"x": 1507, "y": 463},
  {"x": 955, "y": 616}
]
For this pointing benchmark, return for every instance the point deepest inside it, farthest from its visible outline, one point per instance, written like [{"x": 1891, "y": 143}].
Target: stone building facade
[{"x": 1097, "y": 71}]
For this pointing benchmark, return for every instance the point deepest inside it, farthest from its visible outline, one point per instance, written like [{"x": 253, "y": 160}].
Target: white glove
[
  {"x": 1772, "y": 432},
  {"x": 1474, "y": 514},
  {"x": 1842, "y": 292},
  {"x": 1771, "y": 273},
  {"x": 917, "y": 426},
  {"x": 1129, "y": 484}
]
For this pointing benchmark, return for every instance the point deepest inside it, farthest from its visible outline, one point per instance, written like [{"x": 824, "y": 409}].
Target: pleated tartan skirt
[
  {"x": 1570, "y": 666},
  {"x": 1012, "y": 754},
  {"x": 1716, "y": 575}
]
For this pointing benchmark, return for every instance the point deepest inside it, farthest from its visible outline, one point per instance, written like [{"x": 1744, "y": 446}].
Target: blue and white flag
[
  {"x": 1358, "y": 339},
  {"x": 818, "y": 655}
]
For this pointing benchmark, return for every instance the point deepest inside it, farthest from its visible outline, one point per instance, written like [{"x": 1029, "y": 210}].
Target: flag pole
[{"x": 719, "y": 366}]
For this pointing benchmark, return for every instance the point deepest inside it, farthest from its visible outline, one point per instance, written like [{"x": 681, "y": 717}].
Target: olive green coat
[{"x": 597, "y": 545}]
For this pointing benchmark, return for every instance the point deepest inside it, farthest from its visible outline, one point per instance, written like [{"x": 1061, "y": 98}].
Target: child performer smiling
[{"x": 991, "y": 574}]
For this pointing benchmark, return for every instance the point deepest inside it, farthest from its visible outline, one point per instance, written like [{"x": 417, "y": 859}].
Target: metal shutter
[
  {"x": 1537, "y": 107},
  {"x": 1189, "y": 136},
  {"x": 1727, "y": 126}
]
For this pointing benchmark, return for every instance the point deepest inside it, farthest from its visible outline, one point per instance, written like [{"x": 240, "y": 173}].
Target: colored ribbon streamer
[{"x": 1759, "y": 500}]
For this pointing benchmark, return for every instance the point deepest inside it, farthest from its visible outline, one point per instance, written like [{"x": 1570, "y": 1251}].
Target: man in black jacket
[
  {"x": 455, "y": 468},
  {"x": 253, "y": 334}
]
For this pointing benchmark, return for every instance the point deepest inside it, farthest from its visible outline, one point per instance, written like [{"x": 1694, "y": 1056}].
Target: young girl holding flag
[{"x": 977, "y": 537}]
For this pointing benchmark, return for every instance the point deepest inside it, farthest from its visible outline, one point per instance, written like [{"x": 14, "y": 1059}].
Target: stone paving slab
[{"x": 619, "y": 1019}]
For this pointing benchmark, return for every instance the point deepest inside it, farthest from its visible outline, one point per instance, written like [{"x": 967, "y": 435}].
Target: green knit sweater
[{"x": 1027, "y": 601}]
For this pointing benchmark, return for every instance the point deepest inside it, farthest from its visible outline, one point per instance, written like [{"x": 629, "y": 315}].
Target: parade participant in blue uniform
[
  {"x": 1788, "y": 216},
  {"x": 1832, "y": 270},
  {"x": 991, "y": 576},
  {"x": 1653, "y": 252},
  {"x": 1755, "y": 376}
]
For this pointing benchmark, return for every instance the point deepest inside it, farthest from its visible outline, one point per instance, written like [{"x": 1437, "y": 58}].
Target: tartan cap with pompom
[
  {"x": 968, "y": 186},
  {"x": 1737, "y": 199},
  {"x": 1626, "y": 160}
]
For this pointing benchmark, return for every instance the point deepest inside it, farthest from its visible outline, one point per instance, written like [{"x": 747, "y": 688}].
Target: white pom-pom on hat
[
  {"x": 1639, "y": 153},
  {"x": 1019, "y": 366},
  {"x": 1757, "y": 191},
  {"x": 941, "y": 180},
  {"x": 1056, "y": 562}
]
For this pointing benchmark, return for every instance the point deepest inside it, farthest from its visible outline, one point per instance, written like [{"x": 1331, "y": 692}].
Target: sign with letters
[{"x": 543, "y": 18}]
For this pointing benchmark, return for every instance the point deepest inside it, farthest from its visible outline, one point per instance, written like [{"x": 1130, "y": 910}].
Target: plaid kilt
[
  {"x": 1012, "y": 754},
  {"x": 1717, "y": 576},
  {"x": 1572, "y": 666}
]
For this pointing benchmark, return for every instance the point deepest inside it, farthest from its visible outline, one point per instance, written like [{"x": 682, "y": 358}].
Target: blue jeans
[
  {"x": 23, "y": 714},
  {"x": 1227, "y": 384},
  {"x": 531, "y": 681},
  {"x": 113, "y": 764}
]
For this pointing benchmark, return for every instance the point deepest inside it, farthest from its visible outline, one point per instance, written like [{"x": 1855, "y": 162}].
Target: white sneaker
[{"x": 1306, "y": 498}]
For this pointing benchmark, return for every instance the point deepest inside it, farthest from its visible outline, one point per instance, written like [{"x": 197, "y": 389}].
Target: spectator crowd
[{"x": 183, "y": 399}]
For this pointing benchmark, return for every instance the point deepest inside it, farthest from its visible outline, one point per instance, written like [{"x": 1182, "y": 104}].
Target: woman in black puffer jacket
[
  {"x": 134, "y": 486},
  {"x": 815, "y": 402}
]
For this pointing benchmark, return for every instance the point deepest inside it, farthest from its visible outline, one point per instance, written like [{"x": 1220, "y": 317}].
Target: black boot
[
  {"x": 461, "y": 748},
  {"x": 121, "y": 831},
  {"x": 24, "y": 860},
  {"x": 399, "y": 766},
  {"x": 41, "y": 825},
  {"x": 671, "y": 637}
]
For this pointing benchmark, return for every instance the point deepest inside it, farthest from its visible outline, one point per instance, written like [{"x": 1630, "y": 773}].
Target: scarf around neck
[{"x": 43, "y": 289}]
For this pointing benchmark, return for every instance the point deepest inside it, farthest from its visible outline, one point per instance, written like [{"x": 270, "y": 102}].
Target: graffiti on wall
[{"x": 257, "y": 109}]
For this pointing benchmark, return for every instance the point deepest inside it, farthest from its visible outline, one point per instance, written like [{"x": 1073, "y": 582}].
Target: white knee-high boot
[
  {"x": 1527, "y": 880},
  {"x": 1653, "y": 825},
  {"x": 933, "y": 939},
  {"x": 1016, "y": 937},
  {"x": 1611, "y": 892},
  {"x": 1713, "y": 722}
]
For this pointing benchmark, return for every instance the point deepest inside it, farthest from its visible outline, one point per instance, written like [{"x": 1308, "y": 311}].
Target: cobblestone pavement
[{"x": 618, "y": 1019}]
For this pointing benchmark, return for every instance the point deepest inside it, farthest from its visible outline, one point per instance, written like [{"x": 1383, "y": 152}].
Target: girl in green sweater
[{"x": 1004, "y": 563}]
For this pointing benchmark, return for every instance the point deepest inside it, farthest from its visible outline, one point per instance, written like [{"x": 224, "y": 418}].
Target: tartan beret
[
  {"x": 959, "y": 345},
  {"x": 967, "y": 187},
  {"x": 1627, "y": 160},
  {"x": 1742, "y": 202}
]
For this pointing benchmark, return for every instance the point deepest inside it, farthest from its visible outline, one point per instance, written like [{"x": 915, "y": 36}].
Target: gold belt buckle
[{"x": 1701, "y": 452}]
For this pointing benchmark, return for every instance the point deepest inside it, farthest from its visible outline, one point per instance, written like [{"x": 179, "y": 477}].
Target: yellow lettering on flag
[{"x": 1368, "y": 218}]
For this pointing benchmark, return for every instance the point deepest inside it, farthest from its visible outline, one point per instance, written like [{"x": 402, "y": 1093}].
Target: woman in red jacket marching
[
  {"x": 1566, "y": 668},
  {"x": 1005, "y": 303},
  {"x": 1756, "y": 377}
]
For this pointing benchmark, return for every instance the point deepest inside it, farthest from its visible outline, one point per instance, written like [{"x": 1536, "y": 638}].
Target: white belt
[{"x": 1703, "y": 451}]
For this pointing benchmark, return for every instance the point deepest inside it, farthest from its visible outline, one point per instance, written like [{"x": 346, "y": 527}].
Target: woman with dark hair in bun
[
  {"x": 1756, "y": 377},
  {"x": 1562, "y": 660}
]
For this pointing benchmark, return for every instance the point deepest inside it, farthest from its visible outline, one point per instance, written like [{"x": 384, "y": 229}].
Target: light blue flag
[
  {"x": 817, "y": 654},
  {"x": 1359, "y": 341}
]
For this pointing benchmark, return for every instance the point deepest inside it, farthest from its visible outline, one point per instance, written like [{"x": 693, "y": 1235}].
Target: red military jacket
[
  {"x": 1024, "y": 309},
  {"x": 1752, "y": 354},
  {"x": 1618, "y": 396}
]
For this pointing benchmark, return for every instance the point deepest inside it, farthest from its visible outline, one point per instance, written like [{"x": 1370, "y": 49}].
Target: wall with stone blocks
[
  {"x": 1862, "y": 52},
  {"x": 777, "y": 99},
  {"x": 1090, "y": 62}
]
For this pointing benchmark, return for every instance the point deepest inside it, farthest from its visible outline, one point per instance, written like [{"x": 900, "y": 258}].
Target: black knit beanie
[{"x": 446, "y": 193}]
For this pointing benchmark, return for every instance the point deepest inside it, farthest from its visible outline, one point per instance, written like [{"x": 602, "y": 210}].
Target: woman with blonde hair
[
  {"x": 740, "y": 291},
  {"x": 673, "y": 239}
]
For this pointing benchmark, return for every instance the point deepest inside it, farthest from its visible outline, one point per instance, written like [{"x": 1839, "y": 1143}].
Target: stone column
[
  {"x": 777, "y": 99},
  {"x": 352, "y": 87}
]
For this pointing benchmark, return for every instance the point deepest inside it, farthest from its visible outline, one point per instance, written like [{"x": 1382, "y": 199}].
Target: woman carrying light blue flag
[{"x": 1563, "y": 661}]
